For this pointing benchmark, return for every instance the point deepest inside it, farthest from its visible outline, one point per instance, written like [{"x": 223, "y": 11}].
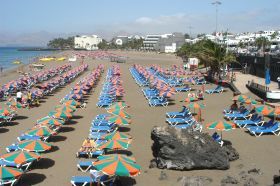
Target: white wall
[{"x": 87, "y": 42}]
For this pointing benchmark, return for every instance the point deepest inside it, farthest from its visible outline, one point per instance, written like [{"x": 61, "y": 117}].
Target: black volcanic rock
[{"x": 185, "y": 149}]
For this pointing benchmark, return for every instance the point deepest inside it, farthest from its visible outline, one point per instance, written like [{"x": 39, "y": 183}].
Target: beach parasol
[
  {"x": 190, "y": 99},
  {"x": 119, "y": 120},
  {"x": 50, "y": 121},
  {"x": 240, "y": 98},
  {"x": 118, "y": 105},
  {"x": 71, "y": 102},
  {"x": 65, "y": 108},
  {"x": 120, "y": 113},
  {"x": 117, "y": 166},
  {"x": 264, "y": 109},
  {"x": 42, "y": 131},
  {"x": 20, "y": 157},
  {"x": 221, "y": 126},
  {"x": 6, "y": 111},
  {"x": 34, "y": 145},
  {"x": 9, "y": 173},
  {"x": 115, "y": 144},
  {"x": 60, "y": 114},
  {"x": 120, "y": 156},
  {"x": 196, "y": 105},
  {"x": 116, "y": 135}
]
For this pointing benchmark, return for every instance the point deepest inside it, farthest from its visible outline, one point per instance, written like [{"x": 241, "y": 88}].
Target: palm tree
[
  {"x": 262, "y": 42},
  {"x": 209, "y": 53}
]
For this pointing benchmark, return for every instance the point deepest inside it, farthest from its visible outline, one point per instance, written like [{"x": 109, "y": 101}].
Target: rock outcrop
[{"x": 186, "y": 150}]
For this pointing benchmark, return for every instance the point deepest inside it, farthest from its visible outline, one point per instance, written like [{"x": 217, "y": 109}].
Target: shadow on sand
[
  {"x": 4, "y": 130},
  {"x": 123, "y": 152},
  {"x": 66, "y": 129},
  {"x": 77, "y": 117},
  {"x": 21, "y": 117},
  {"x": 11, "y": 123},
  {"x": 71, "y": 122},
  {"x": 124, "y": 129},
  {"x": 57, "y": 138},
  {"x": 53, "y": 149},
  {"x": 123, "y": 181},
  {"x": 31, "y": 179},
  {"x": 43, "y": 163}
]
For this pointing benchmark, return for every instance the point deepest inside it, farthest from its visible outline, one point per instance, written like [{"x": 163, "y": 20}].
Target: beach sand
[{"x": 56, "y": 168}]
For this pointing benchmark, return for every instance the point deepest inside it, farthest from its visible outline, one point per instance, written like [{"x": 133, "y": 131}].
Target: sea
[{"x": 10, "y": 54}]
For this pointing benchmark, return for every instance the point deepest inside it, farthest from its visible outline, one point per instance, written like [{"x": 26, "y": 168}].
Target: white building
[
  {"x": 151, "y": 40},
  {"x": 87, "y": 42}
]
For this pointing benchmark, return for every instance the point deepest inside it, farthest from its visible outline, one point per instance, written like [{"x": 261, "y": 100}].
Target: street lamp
[{"x": 216, "y": 4}]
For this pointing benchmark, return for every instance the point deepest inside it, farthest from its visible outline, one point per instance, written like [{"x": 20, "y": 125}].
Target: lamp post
[{"x": 216, "y": 4}]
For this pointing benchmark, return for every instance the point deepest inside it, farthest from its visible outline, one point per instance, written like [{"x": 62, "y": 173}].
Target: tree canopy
[
  {"x": 209, "y": 53},
  {"x": 262, "y": 42},
  {"x": 61, "y": 43}
]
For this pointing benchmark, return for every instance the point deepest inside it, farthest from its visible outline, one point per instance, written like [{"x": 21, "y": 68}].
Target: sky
[{"x": 24, "y": 21}]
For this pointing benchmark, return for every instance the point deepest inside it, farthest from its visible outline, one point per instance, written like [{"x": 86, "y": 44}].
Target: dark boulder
[
  {"x": 231, "y": 152},
  {"x": 185, "y": 149}
]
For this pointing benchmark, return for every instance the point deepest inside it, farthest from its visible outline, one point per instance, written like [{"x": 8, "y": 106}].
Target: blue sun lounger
[
  {"x": 158, "y": 102},
  {"x": 218, "y": 89},
  {"x": 88, "y": 180},
  {"x": 258, "y": 131},
  {"x": 183, "y": 89},
  {"x": 175, "y": 121},
  {"x": 265, "y": 125},
  {"x": 180, "y": 114},
  {"x": 243, "y": 115},
  {"x": 84, "y": 166},
  {"x": 254, "y": 120}
]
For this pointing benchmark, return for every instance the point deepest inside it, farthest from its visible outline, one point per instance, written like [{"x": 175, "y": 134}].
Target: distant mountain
[{"x": 41, "y": 39}]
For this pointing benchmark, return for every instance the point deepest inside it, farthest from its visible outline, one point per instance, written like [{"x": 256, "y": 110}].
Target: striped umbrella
[
  {"x": 34, "y": 145},
  {"x": 118, "y": 105},
  {"x": 9, "y": 173},
  {"x": 240, "y": 98},
  {"x": 119, "y": 120},
  {"x": 264, "y": 109},
  {"x": 120, "y": 156},
  {"x": 117, "y": 166},
  {"x": 190, "y": 99},
  {"x": 60, "y": 114},
  {"x": 42, "y": 131},
  {"x": 196, "y": 105},
  {"x": 120, "y": 113},
  {"x": 50, "y": 121},
  {"x": 71, "y": 102},
  {"x": 20, "y": 157},
  {"x": 116, "y": 135},
  {"x": 115, "y": 144},
  {"x": 6, "y": 111},
  {"x": 65, "y": 108},
  {"x": 221, "y": 125}
]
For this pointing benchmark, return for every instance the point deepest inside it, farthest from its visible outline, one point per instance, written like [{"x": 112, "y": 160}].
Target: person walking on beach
[
  {"x": 278, "y": 80},
  {"x": 19, "y": 96},
  {"x": 29, "y": 99},
  {"x": 1, "y": 70}
]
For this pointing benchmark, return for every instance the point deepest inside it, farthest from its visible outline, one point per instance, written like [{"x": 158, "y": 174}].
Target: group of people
[
  {"x": 198, "y": 95},
  {"x": 25, "y": 99}
]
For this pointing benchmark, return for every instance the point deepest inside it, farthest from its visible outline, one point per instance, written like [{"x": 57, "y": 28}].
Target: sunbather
[{"x": 88, "y": 146}]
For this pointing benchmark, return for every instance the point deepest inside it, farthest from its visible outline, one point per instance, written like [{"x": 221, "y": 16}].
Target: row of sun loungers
[
  {"x": 100, "y": 126},
  {"x": 31, "y": 140},
  {"x": 252, "y": 122},
  {"x": 182, "y": 120}
]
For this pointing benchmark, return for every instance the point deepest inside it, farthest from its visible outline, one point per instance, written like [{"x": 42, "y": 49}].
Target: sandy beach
[{"x": 57, "y": 167}]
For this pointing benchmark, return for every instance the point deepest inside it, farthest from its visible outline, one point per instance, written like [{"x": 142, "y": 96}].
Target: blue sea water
[{"x": 10, "y": 54}]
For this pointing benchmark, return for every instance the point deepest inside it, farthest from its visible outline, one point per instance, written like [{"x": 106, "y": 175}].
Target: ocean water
[{"x": 10, "y": 54}]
